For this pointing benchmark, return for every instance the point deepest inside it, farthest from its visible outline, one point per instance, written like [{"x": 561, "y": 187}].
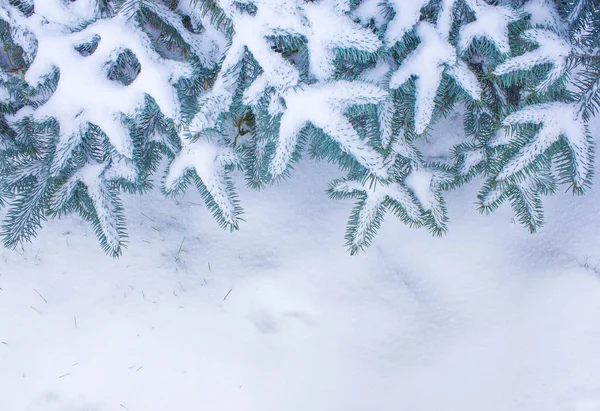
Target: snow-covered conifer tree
[{"x": 94, "y": 94}]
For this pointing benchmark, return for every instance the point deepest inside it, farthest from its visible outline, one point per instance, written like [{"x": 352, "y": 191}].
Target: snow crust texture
[{"x": 278, "y": 316}]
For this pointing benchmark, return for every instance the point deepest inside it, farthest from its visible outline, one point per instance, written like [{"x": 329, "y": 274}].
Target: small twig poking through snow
[
  {"x": 64, "y": 375},
  {"x": 75, "y": 321},
  {"x": 181, "y": 246},
  {"x": 124, "y": 406},
  {"x": 41, "y": 296},
  {"x": 227, "y": 295},
  {"x": 4, "y": 343},
  {"x": 139, "y": 368},
  {"x": 36, "y": 310},
  {"x": 209, "y": 266},
  {"x": 586, "y": 265},
  {"x": 154, "y": 221}
]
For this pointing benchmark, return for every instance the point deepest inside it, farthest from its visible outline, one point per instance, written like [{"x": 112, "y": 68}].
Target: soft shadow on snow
[{"x": 279, "y": 317}]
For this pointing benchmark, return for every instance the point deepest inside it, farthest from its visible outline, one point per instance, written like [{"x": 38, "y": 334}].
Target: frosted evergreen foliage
[{"x": 99, "y": 97}]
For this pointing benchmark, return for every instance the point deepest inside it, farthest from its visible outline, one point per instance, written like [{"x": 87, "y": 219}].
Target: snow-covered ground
[{"x": 278, "y": 317}]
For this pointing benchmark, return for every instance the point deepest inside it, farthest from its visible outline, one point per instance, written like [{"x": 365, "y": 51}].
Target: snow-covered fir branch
[{"x": 98, "y": 97}]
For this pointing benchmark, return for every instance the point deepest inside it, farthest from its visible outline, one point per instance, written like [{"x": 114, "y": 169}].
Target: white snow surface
[{"x": 279, "y": 317}]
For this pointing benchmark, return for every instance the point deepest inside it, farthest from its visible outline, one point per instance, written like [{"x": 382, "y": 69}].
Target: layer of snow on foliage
[
  {"x": 208, "y": 160},
  {"x": 212, "y": 105},
  {"x": 543, "y": 13},
  {"x": 491, "y": 23},
  {"x": 332, "y": 29},
  {"x": 406, "y": 15},
  {"x": 98, "y": 192},
  {"x": 427, "y": 63},
  {"x": 557, "y": 120},
  {"x": 84, "y": 93},
  {"x": 369, "y": 10},
  {"x": 372, "y": 202},
  {"x": 419, "y": 181},
  {"x": 272, "y": 17},
  {"x": 551, "y": 49},
  {"x": 324, "y": 105},
  {"x": 207, "y": 45},
  {"x": 22, "y": 37}
]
